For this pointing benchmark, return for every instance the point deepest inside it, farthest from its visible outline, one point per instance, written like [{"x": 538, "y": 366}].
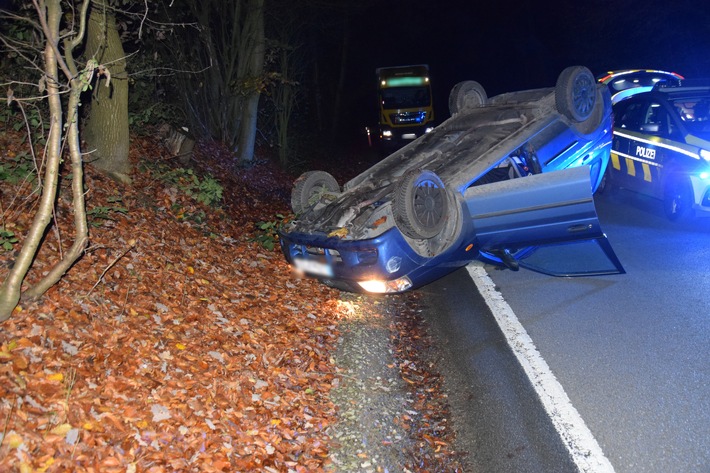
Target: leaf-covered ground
[{"x": 178, "y": 342}]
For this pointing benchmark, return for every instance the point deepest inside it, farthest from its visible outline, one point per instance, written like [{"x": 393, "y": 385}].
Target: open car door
[{"x": 544, "y": 222}]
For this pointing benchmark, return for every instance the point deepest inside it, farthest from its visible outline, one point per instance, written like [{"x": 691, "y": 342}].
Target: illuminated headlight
[
  {"x": 387, "y": 133},
  {"x": 705, "y": 154},
  {"x": 704, "y": 175},
  {"x": 429, "y": 129},
  {"x": 383, "y": 287}
]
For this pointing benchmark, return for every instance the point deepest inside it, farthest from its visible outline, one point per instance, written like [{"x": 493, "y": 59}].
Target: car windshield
[{"x": 405, "y": 97}]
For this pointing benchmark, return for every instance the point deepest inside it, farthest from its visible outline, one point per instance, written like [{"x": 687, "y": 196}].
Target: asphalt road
[{"x": 632, "y": 352}]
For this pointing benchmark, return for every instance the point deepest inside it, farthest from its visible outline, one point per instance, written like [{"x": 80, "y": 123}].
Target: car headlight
[
  {"x": 387, "y": 133},
  {"x": 382, "y": 287}
]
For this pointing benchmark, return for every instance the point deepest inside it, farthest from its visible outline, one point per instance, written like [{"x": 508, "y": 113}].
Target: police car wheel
[
  {"x": 678, "y": 198},
  {"x": 605, "y": 183},
  {"x": 420, "y": 205},
  {"x": 466, "y": 95},
  {"x": 309, "y": 187}
]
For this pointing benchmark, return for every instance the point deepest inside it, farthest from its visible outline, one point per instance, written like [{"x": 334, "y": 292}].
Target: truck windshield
[{"x": 405, "y": 97}]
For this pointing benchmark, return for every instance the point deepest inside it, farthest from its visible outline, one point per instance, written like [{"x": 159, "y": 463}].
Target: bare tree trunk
[
  {"x": 106, "y": 130},
  {"x": 255, "y": 34},
  {"x": 78, "y": 204},
  {"x": 284, "y": 97},
  {"x": 317, "y": 94},
  {"x": 10, "y": 290},
  {"x": 343, "y": 72},
  {"x": 50, "y": 14}
]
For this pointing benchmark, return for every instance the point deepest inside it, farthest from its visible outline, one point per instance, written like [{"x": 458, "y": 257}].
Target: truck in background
[{"x": 405, "y": 104}]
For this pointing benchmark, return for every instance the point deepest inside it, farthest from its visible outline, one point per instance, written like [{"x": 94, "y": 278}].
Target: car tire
[
  {"x": 677, "y": 198},
  {"x": 309, "y": 185},
  {"x": 466, "y": 95},
  {"x": 420, "y": 205},
  {"x": 605, "y": 183},
  {"x": 578, "y": 97}
]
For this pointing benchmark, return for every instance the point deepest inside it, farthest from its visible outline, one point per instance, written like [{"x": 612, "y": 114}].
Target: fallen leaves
[
  {"x": 427, "y": 419},
  {"x": 195, "y": 351},
  {"x": 191, "y": 352}
]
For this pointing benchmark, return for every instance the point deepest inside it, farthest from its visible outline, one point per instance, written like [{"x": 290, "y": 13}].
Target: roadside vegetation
[{"x": 182, "y": 341}]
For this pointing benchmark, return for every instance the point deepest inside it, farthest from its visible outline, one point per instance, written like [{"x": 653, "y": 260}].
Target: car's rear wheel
[
  {"x": 309, "y": 187},
  {"x": 466, "y": 95},
  {"x": 421, "y": 205},
  {"x": 579, "y": 99},
  {"x": 678, "y": 198}
]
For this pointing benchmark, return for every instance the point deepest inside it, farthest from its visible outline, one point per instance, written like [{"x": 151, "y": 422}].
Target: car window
[
  {"x": 674, "y": 132},
  {"x": 589, "y": 257},
  {"x": 630, "y": 115},
  {"x": 522, "y": 162},
  {"x": 504, "y": 170},
  {"x": 656, "y": 120},
  {"x": 701, "y": 111},
  {"x": 694, "y": 113}
]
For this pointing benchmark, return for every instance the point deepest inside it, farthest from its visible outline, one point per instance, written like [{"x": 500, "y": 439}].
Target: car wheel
[
  {"x": 309, "y": 187},
  {"x": 420, "y": 205},
  {"x": 678, "y": 198},
  {"x": 605, "y": 183},
  {"x": 466, "y": 95},
  {"x": 578, "y": 98}
]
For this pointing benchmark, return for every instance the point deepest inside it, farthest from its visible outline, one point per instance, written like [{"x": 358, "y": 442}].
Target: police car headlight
[{"x": 705, "y": 154}]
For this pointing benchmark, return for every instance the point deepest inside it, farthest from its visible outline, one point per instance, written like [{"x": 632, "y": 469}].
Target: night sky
[{"x": 513, "y": 45}]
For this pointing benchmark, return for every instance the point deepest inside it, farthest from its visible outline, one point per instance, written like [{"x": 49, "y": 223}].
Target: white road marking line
[{"x": 576, "y": 436}]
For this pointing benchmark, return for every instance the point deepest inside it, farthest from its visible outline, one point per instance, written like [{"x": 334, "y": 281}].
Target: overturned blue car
[{"x": 507, "y": 180}]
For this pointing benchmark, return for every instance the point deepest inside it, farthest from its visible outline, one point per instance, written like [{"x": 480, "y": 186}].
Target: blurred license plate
[{"x": 313, "y": 267}]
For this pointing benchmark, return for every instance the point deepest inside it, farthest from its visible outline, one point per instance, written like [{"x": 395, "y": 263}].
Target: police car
[{"x": 661, "y": 146}]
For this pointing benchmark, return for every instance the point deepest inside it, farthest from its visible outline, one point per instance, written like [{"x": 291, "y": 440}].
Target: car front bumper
[{"x": 383, "y": 264}]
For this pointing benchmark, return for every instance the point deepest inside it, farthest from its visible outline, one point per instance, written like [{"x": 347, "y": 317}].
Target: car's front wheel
[
  {"x": 678, "y": 198},
  {"x": 421, "y": 205},
  {"x": 309, "y": 187}
]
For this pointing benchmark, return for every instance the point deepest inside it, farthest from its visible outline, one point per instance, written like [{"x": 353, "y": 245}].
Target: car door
[
  {"x": 629, "y": 116},
  {"x": 545, "y": 222},
  {"x": 646, "y": 151}
]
